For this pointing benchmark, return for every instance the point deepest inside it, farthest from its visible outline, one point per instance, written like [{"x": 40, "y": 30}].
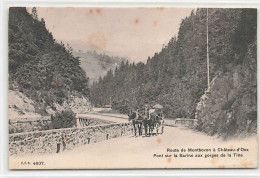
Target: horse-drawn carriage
[{"x": 147, "y": 121}]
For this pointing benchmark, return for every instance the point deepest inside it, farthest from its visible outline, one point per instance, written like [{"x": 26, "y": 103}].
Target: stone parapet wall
[
  {"x": 169, "y": 122},
  {"x": 88, "y": 121},
  {"x": 180, "y": 122},
  {"x": 42, "y": 142},
  {"x": 42, "y": 123},
  {"x": 30, "y": 124}
]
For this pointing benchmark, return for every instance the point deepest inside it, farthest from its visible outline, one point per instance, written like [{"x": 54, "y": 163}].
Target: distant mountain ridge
[{"x": 96, "y": 65}]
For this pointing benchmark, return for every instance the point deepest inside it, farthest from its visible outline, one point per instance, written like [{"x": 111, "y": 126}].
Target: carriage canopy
[{"x": 157, "y": 106}]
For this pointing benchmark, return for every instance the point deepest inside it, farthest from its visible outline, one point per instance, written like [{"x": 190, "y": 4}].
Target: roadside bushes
[{"x": 63, "y": 119}]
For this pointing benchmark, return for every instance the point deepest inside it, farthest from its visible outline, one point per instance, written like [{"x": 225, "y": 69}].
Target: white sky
[{"x": 135, "y": 33}]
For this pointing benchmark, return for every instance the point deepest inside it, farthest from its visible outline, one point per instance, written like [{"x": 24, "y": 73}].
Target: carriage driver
[{"x": 146, "y": 111}]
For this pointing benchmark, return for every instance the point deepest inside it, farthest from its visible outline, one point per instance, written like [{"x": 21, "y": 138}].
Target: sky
[{"x": 134, "y": 33}]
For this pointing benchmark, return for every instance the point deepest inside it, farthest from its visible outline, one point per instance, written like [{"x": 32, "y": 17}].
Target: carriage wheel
[{"x": 162, "y": 129}]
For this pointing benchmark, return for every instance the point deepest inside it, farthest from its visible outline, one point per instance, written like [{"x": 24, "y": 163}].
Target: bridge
[{"x": 129, "y": 151}]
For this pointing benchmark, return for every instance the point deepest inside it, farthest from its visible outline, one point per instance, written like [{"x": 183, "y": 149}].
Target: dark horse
[
  {"x": 147, "y": 124},
  {"x": 136, "y": 121}
]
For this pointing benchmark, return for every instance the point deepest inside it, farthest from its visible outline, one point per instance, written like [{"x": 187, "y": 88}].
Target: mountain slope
[
  {"x": 39, "y": 67},
  {"x": 96, "y": 65},
  {"x": 176, "y": 77}
]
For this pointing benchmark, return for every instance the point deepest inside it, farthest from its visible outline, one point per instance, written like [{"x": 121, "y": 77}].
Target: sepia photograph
[{"x": 132, "y": 88}]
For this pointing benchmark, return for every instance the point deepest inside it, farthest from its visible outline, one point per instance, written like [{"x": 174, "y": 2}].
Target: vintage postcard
[{"x": 132, "y": 88}]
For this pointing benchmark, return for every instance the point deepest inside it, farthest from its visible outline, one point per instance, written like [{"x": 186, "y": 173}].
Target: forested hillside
[
  {"x": 40, "y": 67},
  {"x": 176, "y": 77},
  {"x": 96, "y": 65}
]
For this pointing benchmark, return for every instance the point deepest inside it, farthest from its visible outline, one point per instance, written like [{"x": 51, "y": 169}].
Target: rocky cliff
[
  {"x": 75, "y": 103},
  {"x": 20, "y": 106},
  {"x": 230, "y": 108}
]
